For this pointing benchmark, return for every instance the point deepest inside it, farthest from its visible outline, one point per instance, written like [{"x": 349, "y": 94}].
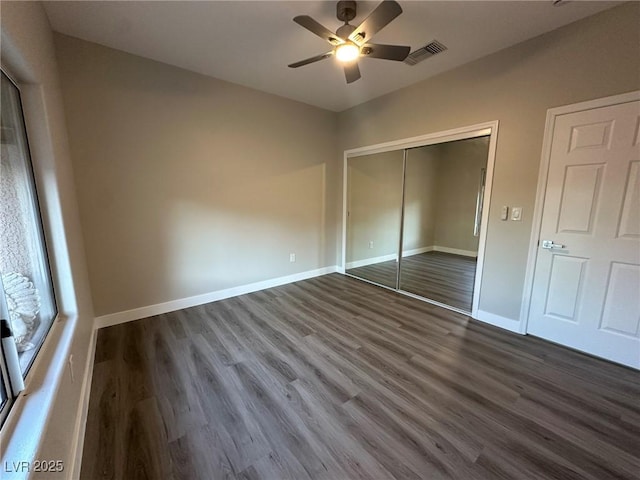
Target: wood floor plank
[
  {"x": 102, "y": 446},
  {"x": 173, "y": 387},
  {"x": 286, "y": 431},
  {"x": 225, "y": 409},
  {"x": 146, "y": 453},
  {"x": 333, "y": 378},
  {"x": 283, "y": 466},
  {"x": 328, "y": 423},
  {"x": 391, "y": 446},
  {"x": 200, "y": 454}
]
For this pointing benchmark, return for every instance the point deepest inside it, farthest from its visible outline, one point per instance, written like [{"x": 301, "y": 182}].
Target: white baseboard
[
  {"x": 499, "y": 321},
  {"x": 388, "y": 258},
  {"x": 418, "y": 251},
  {"x": 81, "y": 420},
  {"x": 455, "y": 251},
  {"x": 409, "y": 253},
  {"x": 371, "y": 261},
  {"x": 179, "y": 304}
]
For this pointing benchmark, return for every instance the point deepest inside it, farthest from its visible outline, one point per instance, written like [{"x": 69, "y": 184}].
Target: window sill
[{"x": 26, "y": 424}]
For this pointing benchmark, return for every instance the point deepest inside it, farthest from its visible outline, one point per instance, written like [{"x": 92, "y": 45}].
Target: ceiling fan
[{"x": 350, "y": 43}]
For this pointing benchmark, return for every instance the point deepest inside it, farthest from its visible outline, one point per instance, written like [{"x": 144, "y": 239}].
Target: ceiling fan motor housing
[
  {"x": 346, "y": 10},
  {"x": 345, "y": 30}
]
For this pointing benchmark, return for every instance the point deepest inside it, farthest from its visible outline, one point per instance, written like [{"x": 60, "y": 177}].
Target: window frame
[
  {"x": 5, "y": 409},
  {"x": 6, "y": 386}
]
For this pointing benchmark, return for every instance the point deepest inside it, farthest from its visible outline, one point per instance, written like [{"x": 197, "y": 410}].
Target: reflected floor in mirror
[
  {"x": 442, "y": 277},
  {"x": 383, "y": 273}
]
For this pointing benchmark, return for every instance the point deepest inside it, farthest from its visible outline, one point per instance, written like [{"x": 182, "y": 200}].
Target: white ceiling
[{"x": 252, "y": 42}]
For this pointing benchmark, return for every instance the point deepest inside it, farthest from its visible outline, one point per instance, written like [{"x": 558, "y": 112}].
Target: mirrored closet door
[
  {"x": 374, "y": 209},
  {"x": 442, "y": 208},
  {"x": 414, "y": 219}
]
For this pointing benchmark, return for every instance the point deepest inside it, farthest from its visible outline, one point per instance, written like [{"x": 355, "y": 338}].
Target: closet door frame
[{"x": 489, "y": 129}]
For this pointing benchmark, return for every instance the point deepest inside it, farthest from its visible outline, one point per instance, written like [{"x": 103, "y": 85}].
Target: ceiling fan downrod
[{"x": 345, "y": 11}]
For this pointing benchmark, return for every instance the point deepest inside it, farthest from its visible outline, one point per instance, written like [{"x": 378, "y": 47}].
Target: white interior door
[{"x": 586, "y": 285}]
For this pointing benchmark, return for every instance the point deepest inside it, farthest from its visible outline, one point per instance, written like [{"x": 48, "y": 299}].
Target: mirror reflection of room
[
  {"x": 374, "y": 206},
  {"x": 427, "y": 203},
  {"x": 444, "y": 188}
]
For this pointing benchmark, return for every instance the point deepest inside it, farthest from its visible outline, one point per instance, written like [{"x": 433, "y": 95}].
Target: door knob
[{"x": 548, "y": 244}]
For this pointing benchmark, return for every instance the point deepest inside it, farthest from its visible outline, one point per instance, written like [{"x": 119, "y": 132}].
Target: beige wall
[
  {"x": 592, "y": 58},
  {"x": 187, "y": 184},
  {"x": 374, "y": 205},
  {"x": 459, "y": 170},
  {"x": 45, "y": 423}
]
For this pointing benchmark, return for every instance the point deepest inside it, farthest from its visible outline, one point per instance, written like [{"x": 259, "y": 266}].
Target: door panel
[
  {"x": 586, "y": 287},
  {"x": 622, "y": 289},
  {"x": 630, "y": 216},
  {"x": 594, "y": 135},
  {"x": 580, "y": 196},
  {"x": 565, "y": 286}
]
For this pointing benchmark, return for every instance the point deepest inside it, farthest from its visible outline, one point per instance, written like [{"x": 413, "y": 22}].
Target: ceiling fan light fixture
[
  {"x": 348, "y": 42},
  {"x": 347, "y": 52}
]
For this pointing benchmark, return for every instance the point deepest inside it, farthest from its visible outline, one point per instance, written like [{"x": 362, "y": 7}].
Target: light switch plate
[
  {"x": 504, "y": 213},
  {"x": 516, "y": 214}
]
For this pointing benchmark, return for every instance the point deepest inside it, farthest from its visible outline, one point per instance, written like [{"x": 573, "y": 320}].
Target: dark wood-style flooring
[
  {"x": 333, "y": 378},
  {"x": 439, "y": 276}
]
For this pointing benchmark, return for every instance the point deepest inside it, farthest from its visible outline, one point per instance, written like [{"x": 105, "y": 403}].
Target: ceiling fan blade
[
  {"x": 320, "y": 30},
  {"x": 376, "y": 21},
  {"x": 307, "y": 61},
  {"x": 386, "y": 52},
  {"x": 351, "y": 72}
]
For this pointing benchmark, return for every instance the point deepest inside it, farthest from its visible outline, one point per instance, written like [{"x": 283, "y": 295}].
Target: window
[{"x": 26, "y": 291}]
